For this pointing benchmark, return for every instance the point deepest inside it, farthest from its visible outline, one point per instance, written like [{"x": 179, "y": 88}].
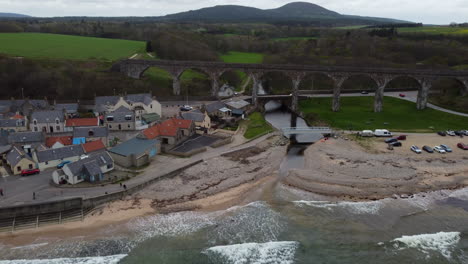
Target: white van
[
  {"x": 382, "y": 133},
  {"x": 366, "y": 133}
]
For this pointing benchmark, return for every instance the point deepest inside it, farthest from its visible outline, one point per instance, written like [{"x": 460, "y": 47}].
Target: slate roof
[
  {"x": 4, "y": 149},
  {"x": 47, "y": 116},
  {"x": 167, "y": 128},
  {"x": 147, "y": 99},
  {"x": 120, "y": 114},
  {"x": 101, "y": 102},
  {"x": 194, "y": 116},
  {"x": 93, "y": 146},
  {"x": 81, "y": 122},
  {"x": 66, "y": 141},
  {"x": 59, "y": 153},
  {"x": 84, "y": 132},
  {"x": 15, "y": 156},
  {"x": 91, "y": 165},
  {"x": 237, "y": 104},
  {"x": 12, "y": 123},
  {"x": 69, "y": 108},
  {"x": 25, "y": 137},
  {"x": 213, "y": 107},
  {"x": 150, "y": 118},
  {"x": 135, "y": 146}
]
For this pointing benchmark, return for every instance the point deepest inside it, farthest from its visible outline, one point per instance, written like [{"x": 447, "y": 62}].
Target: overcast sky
[{"x": 426, "y": 11}]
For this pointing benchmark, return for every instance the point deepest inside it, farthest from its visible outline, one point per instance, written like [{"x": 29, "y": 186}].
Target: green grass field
[
  {"x": 256, "y": 126},
  {"x": 38, "y": 45},
  {"x": 434, "y": 30},
  {"x": 242, "y": 57},
  {"x": 357, "y": 114}
]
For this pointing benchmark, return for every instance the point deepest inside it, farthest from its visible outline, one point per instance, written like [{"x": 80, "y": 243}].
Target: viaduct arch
[{"x": 297, "y": 73}]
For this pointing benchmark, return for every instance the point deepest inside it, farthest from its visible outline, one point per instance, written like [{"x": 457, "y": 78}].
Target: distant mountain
[
  {"x": 297, "y": 11},
  {"x": 12, "y": 15}
]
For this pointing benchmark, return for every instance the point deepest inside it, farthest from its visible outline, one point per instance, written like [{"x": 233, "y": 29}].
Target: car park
[
  {"x": 446, "y": 148},
  {"x": 30, "y": 172},
  {"x": 391, "y": 140},
  {"x": 442, "y": 133},
  {"x": 451, "y": 133},
  {"x": 63, "y": 163},
  {"x": 396, "y": 144},
  {"x": 416, "y": 149},
  {"x": 462, "y": 146},
  {"x": 439, "y": 149},
  {"x": 428, "y": 149}
]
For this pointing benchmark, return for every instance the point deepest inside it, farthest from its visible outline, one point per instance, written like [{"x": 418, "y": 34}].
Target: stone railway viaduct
[{"x": 297, "y": 73}]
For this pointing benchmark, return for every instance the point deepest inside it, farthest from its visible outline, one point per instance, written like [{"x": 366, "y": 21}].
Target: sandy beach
[{"x": 368, "y": 171}]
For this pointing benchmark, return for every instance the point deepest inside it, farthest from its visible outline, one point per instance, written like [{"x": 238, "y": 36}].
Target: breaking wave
[
  {"x": 282, "y": 252},
  {"x": 352, "y": 207},
  {"x": 442, "y": 242},
  {"x": 89, "y": 260}
]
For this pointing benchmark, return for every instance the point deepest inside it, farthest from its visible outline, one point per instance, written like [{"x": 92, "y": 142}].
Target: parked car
[
  {"x": 450, "y": 133},
  {"x": 63, "y": 163},
  {"x": 439, "y": 149},
  {"x": 186, "y": 108},
  {"x": 396, "y": 144},
  {"x": 364, "y": 92},
  {"x": 462, "y": 146},
  {"x": 459, "y": 133},
  {"x": 401, "y": 137},
  {"x": 416, "y": 149},
  {"x": 366, "y": 133},
  {"x": 402, "y": 95},
  {"x": 391, "y": 140},
  {"x": 428, "y": 149},
  {"x": 30, "y": 172},
  {"x": 442, "y": 133},
  {"x": 465, "y": 132},
  {"x": 382, "y": 133},
  {"x": 446, "y": 148}
]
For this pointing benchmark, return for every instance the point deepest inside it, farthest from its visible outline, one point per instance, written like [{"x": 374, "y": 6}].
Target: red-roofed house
[
  {"x": 171, "y": 132},
  {"x": 58, "y": 142},
  {"x": 71, "y": 123},
  {"x": 93, "y": 146}
]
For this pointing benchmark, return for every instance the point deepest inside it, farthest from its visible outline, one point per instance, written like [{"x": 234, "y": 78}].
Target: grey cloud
[{"x": 426, "y": 11}]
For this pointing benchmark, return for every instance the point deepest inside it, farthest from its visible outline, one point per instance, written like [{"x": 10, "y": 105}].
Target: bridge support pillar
[
  {"x": 296, "y": 81},
  {"x": 423, "y": 93},
  {"x": 382, "y": 82},
  {"x": 256, "y": 80},
  {"x": 176, "y": 85},
  {"x": 465, "y": 89},
  {"x": 339, "y": 80},
  {"x": 215, "y": 82}
]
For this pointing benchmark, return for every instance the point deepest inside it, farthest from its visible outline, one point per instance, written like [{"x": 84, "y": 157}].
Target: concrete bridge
[{"x": 297, "y": 73}]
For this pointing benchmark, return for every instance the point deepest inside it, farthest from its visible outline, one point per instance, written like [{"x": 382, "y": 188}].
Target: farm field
[
  {"x": 357, "y": 114},
  {"x": 39, "y": 45},
  {"x": 434, "y": 30},
  {"x": 242, "y": 57}
]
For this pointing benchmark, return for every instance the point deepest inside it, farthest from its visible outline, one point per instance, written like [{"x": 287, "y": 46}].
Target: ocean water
[{"x": 288, "y": 228}]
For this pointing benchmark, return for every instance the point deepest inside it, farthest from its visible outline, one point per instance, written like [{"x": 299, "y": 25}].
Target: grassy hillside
[
  {"x": 357, "y": 114},
  {"x": 38, "y": 45},
  {"x": 242, "y": 57}
]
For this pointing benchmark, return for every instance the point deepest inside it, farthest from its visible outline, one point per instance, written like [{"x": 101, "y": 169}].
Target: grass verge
[{"x": 256, "y": 125}]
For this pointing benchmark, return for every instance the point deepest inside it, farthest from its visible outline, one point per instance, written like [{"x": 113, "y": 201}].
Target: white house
[
  {"x": 50, "y": 158},
  {"x": 139, "y": 103},
  {"x": 47, "y": 121}
]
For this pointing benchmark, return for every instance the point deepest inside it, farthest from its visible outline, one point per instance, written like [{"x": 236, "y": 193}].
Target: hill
[
  {"x": 297, "y": 11},
  {"x": 12, "y": 15},
  {"x": 39, "y": 45}
]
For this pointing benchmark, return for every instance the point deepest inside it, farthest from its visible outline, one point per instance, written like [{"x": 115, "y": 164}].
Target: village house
[
  {"x": 171, "y": 132},
  {"x": 14, "y": 124},
  {"x": 90, "y": 169},
  {"x": 140, "y": 104},
  {"x": 73, "y": 123},
  {"x": 27, "y": 141},
  {"x": 70, "y": 110},
  {"x": 47, "y": 121},
  {"x": 218, "y": 110},
  {"x": 121, "y": 119},
  {"x": 52, "y": 157},
  {"x": 24, "y": 107},
  {"x": 135, "y": 152},
  {"x": 81, "y": 135},
  {"x": 226, "y": 91},
  {"x": 202, "y": 120},
  {"x": 58, "y": 142},
  {"x": 93, "y": 146},
  {"x": 18, "y": 161}
]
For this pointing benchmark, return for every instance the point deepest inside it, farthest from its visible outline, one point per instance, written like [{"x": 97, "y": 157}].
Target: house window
[
  {"x": 128, "y": 117},
  {"x": 35, "y": 129},
  {"x": 90, "y": 133},
  {"x": 151, "y": 106},
  {"x": 128, "y": 125},
  {"x": 110, "y": 118},
  {"x": 18, "y": 168},
  {"x": 57, "y": 128},
  {"x": 56, "y": 121},
  {"x": 110, "y": 126},
  {"x": 30, "y": 166},
  {"x": 46, "y": 163},
  {"x": 35, "y": 122},
  {"x": 110, "y": 166}
]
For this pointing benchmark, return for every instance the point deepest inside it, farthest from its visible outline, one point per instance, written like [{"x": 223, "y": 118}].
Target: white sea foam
[
  {"x": 443, "y": 242},
  {"x": 352, "y": 207},
  {"x": 89, "y": 260},
  {"x": 31, "y": 246},
  {"x": 255, "y": 253}
]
